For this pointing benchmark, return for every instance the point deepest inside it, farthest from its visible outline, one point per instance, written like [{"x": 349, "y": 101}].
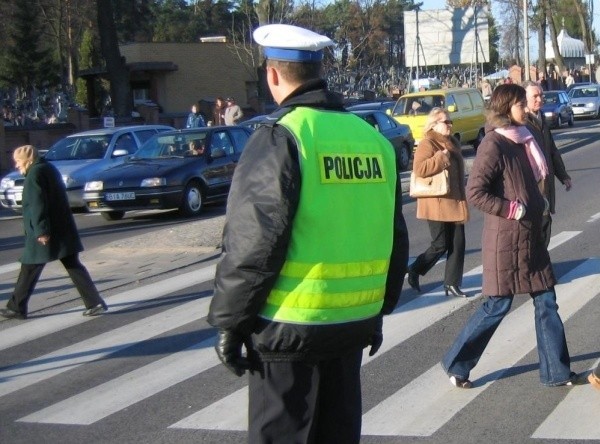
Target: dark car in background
[
  {"x": 557, "y": 109},
  {"x": 399, "y": 135},
  {"x": 385, "y": 106},
  {"x": 166, "y": 173},
  {"x": 79, "y": 156}
]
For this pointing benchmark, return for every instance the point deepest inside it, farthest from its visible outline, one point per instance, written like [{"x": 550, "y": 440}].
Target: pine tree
[{"x": 26, "y": 62}]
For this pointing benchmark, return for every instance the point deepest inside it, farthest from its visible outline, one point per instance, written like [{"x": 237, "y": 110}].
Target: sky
[{"x": 533, "y": 47}]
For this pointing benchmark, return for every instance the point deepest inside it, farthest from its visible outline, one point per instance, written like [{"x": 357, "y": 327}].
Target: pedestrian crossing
[{"x": 420, "y": 408}]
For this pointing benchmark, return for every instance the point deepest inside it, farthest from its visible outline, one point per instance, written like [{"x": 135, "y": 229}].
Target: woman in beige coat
[{"x": 446, "y": 216}]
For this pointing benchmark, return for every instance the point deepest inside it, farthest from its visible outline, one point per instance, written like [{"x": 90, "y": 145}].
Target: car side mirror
[
  {"x": 451, "y": 108},
  {"x": 120, "y": 153}
]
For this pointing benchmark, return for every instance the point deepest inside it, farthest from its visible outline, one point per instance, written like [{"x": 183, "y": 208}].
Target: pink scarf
[{"x": 520, "y": 134}]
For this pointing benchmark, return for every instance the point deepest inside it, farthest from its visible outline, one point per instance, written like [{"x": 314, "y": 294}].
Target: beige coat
[{"x": 429, "y": 159}]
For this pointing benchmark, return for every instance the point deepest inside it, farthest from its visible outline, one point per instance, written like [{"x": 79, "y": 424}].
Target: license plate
[
  {"x": 18, "y": 197},
  {"x": 120, "y": 196}
]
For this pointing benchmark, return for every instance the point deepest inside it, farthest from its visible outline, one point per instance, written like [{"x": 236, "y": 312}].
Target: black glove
[
  {"x": 229, "y": 351},
  {"x": 377, "y": 337}
]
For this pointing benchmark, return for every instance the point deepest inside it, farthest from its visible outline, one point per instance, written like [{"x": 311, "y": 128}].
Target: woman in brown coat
[
  {"x": 446, "y": 216},
  {"x": 50, "y": 234},
  {"x": 503, "y": 184}
]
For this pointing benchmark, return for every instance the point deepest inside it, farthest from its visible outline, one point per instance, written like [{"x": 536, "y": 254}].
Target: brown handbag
[{"x": 432, "y": 186}]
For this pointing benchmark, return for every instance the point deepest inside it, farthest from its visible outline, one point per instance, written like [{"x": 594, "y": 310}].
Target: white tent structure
[
  {"x": 567, "y": 46},
  {"x": 502, "y": 74}
]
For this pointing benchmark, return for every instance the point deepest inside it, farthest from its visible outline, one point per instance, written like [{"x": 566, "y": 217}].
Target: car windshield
[
  {"x": 172, "y": 145},
  {"x": 420, "y": 105},
  {"x": 550, "y": 98},
  {"x": 584, "y": 92},
  {"x": 79, "y": 148}
]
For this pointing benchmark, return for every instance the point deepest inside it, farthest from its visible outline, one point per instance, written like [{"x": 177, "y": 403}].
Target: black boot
[
  {"x": 454, "y": 290},
  {"x": 413, "y": 280}
]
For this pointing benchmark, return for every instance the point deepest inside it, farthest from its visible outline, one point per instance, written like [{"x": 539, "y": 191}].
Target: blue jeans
[{"x": 555, "y": 364}]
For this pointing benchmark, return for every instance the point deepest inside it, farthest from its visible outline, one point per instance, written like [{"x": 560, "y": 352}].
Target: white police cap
[{"x": 291, "y": 43}]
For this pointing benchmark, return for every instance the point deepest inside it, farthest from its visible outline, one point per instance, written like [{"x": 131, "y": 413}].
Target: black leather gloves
[
  {"x": 229, "y": 351},
  {"x": 377, "y": 338}
]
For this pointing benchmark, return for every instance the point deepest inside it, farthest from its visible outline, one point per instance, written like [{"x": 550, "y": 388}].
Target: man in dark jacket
[
  {"x": 556, "y": 166},
  {"x": 50, "y": 234},
  {"x": 314, "y": 253}
]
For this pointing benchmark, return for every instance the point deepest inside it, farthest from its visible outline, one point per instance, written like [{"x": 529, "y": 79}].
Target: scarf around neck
[{"x": 521, "y": 135}]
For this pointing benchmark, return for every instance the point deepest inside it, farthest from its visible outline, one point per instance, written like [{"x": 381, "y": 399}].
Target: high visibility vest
[{"x": 341, "y": 240}]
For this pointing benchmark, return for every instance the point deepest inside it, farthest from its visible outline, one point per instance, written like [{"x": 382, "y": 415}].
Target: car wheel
[
  {"x": 571, "y": 120},
  {"x": 192, "y": 200},
  {"x": 480, "y": 136},
  {"x": 113, "y": 215},
  {"x": 558, "y": 122},
  {"x": 403, "y": 157}
]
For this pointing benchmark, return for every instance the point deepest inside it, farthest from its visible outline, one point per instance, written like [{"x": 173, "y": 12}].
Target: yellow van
[{"x": 464, "y": 105}]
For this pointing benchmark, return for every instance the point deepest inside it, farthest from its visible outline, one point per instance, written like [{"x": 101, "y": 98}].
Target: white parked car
[
  {"x": 80, "y": 155},
  {"x": 585, "y": 101}
]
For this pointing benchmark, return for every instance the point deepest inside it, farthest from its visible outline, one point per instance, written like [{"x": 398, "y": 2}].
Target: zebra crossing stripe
[
  {"x": 44, "y": 367},
  {"x": 428, "y": 402},
  {"x": 28, "y": 331},
  {"x": 9, "y": 268},
  {"x": 225, "y": 414},
  {"x": 105, "y": 399},
  {"x": 576, "y": 417}
]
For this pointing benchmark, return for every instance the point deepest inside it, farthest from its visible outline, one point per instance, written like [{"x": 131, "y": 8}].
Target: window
[
  {"x": 240, "y": 137},
  {"x": 126, "y": 142},
  {"x": 463, "y": 102}
]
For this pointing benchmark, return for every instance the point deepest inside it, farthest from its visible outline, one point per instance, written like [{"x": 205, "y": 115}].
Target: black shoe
[
  {"x": 577, "y": 379},
  {"x": 96, "y": 310},
  {"x": 413, "y": 280},
  {"x": 455, "y": 290},
  {"x": 11, "y": 314},
  {"x": 460, "y": 383}
]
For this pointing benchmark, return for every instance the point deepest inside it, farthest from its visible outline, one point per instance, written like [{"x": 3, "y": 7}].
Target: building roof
[{"x": 567, "y": 46}]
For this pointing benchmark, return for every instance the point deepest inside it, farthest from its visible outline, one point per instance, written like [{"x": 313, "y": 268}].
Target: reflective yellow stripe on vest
[{"x": 346, "y": 203}]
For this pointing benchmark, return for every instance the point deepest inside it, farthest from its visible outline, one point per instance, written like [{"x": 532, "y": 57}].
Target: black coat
[
  {"x": 261, "y": 207},
  {"x": 556, "y": 166},
  {"x": 46, "y": 211}
]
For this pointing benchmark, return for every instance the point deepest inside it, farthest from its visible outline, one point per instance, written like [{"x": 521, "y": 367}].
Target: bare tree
[{"x": 558, "y": 58}]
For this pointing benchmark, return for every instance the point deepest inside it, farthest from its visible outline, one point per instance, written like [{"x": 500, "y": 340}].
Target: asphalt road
[{"x": 146, "y": 372}]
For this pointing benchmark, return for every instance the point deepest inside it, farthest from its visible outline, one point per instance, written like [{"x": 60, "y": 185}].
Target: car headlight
[
  {"x": 6, "y": 183},
  {"x": 96, "y": 185},
  {"x": 590, "y": 105},
  {"x": 550, "y": 114},
  {"x": 154, "y": 182}
]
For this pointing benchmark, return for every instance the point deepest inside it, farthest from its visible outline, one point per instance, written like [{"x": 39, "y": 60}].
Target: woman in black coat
[{"x": 50, "y": 234}]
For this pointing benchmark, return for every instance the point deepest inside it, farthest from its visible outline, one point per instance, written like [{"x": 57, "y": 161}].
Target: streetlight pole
[{"x": 526, "y": 39}]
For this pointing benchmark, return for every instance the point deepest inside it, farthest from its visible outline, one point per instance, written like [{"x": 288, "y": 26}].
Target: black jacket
[
  {"x": 556, "y": 166},
  {"x": 261, "y": 207}
]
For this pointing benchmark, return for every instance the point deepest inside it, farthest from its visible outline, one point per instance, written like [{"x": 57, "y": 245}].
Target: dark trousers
[
  {"x": 30, "y": 274},
  {"x": 445, "y": 237},
  {"x": 302, "y": 403},
  {"x": 546, "y": 229}
]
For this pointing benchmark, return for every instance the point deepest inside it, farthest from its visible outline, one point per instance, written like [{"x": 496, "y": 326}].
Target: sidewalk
[{"x": 125, "y": 262}]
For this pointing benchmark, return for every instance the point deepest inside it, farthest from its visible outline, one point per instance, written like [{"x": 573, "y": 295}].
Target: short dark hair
[
  {"x": 505, "y": 96},
  {"x": 297, "y": 72}
]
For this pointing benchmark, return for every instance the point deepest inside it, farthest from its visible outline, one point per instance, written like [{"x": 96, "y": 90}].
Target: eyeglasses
[{"x": 447, "y": 122}]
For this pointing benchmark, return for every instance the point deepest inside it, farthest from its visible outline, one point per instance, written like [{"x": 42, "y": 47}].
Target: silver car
[
  {"x": 79, "y": 156},
  {"x": 585, "y": 101}
]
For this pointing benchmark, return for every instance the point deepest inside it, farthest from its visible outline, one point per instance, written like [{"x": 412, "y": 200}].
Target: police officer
[
  {"x": 556, "y": 166},
  {"x": 314, "y": 253}
]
